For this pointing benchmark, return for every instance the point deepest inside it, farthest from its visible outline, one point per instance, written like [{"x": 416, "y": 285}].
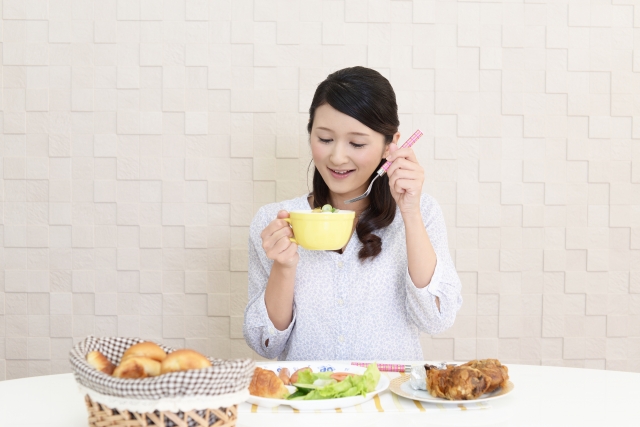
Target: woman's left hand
[{"x": 406, "y": 177}]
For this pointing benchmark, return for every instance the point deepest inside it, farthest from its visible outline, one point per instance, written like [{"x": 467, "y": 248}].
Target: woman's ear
[{"x": 387, "y": 147}]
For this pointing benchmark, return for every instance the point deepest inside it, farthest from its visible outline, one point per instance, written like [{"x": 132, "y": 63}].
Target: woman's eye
[
  {"x": 326, "y": 141},
  {"x": 354, "y": 145}
]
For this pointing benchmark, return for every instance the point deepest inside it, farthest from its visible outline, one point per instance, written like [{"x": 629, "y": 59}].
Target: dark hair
[{"x": 368, "y": 97}]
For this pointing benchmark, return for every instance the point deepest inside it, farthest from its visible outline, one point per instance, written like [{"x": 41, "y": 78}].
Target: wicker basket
[
  {"x": 202, "y": 398},
  {"x": 103, "y": 416}
]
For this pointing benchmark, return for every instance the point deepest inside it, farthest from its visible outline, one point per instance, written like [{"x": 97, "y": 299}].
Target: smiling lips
[{"x": 340, "y": 174}]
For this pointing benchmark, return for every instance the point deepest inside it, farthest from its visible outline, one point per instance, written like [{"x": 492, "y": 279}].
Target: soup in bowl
[{"x": 327, "y": 230}]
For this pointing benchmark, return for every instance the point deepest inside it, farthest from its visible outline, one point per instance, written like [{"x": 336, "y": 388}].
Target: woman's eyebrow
[{"x": 350, "y": 133}]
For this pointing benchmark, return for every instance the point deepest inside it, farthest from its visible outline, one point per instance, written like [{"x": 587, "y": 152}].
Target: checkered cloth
[{"x": 225, "y": 376}]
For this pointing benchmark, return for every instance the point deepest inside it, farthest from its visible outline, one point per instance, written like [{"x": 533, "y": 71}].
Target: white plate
[
  {"x": 310, "y": 405},
  {"x": 402, "y": 387}
]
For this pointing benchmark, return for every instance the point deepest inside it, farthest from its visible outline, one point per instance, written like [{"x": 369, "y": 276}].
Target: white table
[{"x": 543, "y": 396}]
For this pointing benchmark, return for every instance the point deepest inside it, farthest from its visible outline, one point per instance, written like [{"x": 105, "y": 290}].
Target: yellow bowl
[{"x": 321, "y": 231}]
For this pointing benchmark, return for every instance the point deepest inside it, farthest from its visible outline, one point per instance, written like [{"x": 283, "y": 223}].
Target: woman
[{"x": 393, "y": 279}]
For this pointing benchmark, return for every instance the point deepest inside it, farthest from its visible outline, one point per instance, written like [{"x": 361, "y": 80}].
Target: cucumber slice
[
  {"x": 298, "y": 395},
  {"x": 306, "y": 387},
  {"x": 317, "y": 384}
]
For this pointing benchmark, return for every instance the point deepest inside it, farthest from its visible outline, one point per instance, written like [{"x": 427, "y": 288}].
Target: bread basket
[{"x": 196, "y": 398}]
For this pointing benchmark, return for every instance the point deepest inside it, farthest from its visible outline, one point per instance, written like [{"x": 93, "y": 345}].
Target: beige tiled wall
[{"x": 139, "y": 136}]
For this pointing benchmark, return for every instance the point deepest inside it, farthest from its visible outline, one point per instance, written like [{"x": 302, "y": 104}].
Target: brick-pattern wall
[{"x": 140, "y": 136}]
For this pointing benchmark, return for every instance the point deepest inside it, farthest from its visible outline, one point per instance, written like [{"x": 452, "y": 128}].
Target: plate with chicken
[
  {"x": 477, "y": 380},
  {"x": 314, "y": 385}
]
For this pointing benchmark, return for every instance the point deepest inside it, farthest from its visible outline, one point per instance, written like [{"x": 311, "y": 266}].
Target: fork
[{"x": 383, "y": 169}]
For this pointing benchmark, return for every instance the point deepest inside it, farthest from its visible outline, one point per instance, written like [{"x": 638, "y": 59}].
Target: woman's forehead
[{"x": 329, "y": 119}]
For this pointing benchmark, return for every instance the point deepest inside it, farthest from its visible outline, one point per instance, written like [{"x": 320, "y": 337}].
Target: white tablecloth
[{"x": 543, "y": 396}]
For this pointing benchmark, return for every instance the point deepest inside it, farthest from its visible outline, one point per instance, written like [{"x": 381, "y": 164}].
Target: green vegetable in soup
[{"x": 326, "y": 209}]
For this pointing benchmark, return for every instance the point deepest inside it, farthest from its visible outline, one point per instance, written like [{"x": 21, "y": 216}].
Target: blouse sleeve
[
  {"x": 445, "y": 283},
  {"x": 259, "y": 332}
]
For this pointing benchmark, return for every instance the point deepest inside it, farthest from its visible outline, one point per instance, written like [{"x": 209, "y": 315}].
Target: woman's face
[{"x": 345, "y": 152}]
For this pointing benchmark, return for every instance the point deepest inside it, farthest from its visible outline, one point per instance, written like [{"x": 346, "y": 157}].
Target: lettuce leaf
[
  {"x": 371, "y": 377},
  {"x": 308, "y": 377},
  {"x": 331, "y": 391},
  {"x": 350, "y": 386}
]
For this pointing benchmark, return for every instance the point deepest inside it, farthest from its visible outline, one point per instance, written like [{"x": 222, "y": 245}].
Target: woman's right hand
[{"x": 276, "y": 243}]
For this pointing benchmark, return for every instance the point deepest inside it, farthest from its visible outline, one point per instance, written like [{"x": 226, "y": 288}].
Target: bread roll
[
  {"x": 137, "y": 367},
  {"x": 284, "y": 376},
  {"x": 182, "y": 360},
  {"x": 145, "y": 349},
  {"x": 100, "y": 362}
]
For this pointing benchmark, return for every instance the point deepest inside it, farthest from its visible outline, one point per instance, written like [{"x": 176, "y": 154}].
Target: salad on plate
[
  {"x": 331, "y": 385},
  {"x": 314, "y": 385}
]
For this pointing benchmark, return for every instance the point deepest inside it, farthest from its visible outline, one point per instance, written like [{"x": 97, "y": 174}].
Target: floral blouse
[{"x": 345, "y": 309}]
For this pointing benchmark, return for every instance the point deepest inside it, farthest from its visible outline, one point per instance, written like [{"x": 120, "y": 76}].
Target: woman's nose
[{"x": 338, "y": 155}]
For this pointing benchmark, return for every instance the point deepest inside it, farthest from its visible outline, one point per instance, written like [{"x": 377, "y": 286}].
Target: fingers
[
  {"x": 409, "y": 186},
  {"x": 285, "y": 252},
  {"x": 280, "y": 246},
  {"x": 289, "y": 254},
  {"x": 276, "y": 243},
  {"x": 275, "y": 225},
  {"x": 269, "y": 242},
  {"x": 405, "y": 169},
  {"x": 278, "y": 230},
  {"x": 404, "y": 174},
  {"x": 406, "y": 153},
  {"x": 402, "y": 163},
  {"x": 407, "y": 158},
  {"x": 402, "y": 180}
]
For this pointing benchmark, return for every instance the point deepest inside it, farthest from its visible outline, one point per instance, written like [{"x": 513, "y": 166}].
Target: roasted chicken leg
[
  {"x": 492, "y": 368},
  {"x": 457, "y": 383}
]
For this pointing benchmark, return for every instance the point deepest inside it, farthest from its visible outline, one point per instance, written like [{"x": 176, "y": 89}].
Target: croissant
[
  {"x": 145, "y": 349},
  {"x": 266, "y": 383},
  {"x": 137, "y": 367},
  {"x": 181, "y": 360},
  {"x": 100, "y": 362}
]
